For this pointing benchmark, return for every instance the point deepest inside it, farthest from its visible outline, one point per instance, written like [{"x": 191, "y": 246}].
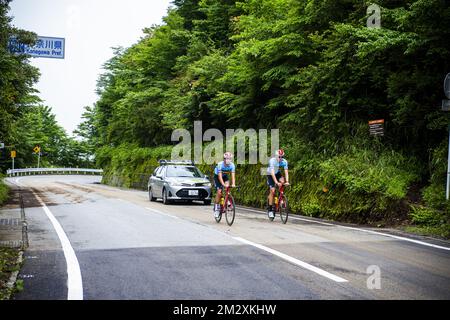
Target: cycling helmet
[{"x": 279, "y": 153}]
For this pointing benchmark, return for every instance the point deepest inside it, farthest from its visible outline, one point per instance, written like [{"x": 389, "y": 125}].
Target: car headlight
[{"x": 207, "y": 184}]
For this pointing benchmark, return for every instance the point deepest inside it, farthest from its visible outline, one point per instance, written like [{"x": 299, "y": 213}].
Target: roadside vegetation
[
  {"x": 8, "y": 265},
  {"x": 310, "y": 68},
  {"x": 4, "y": 191}
]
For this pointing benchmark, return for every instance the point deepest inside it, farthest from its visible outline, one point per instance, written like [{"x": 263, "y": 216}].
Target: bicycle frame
[
  {"x": 227, "y": 194},
  {"x": 280, "y": 205},
  {"x": 280, "y": 195}
]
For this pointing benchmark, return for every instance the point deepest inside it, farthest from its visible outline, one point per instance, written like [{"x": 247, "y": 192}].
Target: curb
[{"x": 13, "y": 278}]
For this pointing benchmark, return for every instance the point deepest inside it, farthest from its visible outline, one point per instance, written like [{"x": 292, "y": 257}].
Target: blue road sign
[{"x": 45, "y": 47}]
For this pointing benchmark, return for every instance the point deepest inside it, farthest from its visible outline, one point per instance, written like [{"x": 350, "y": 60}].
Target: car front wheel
[
  {"x": 165, "y": 200},
  {"x": 150, "y": 195}
]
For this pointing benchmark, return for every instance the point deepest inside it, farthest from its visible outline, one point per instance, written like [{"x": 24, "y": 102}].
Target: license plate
[{"x": 193, "y": 192}]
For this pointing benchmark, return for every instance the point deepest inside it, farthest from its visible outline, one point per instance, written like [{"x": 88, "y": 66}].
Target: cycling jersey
[
  {"x": 275, "y": 165},
  {"x": 221, "y": 166}
]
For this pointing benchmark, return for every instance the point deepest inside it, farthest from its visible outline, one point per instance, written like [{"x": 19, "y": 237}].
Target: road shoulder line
[
  {"x": 74, "y": 279},
  {"x": 293, "y": 260},
  {"x": 360, "y": 229}
]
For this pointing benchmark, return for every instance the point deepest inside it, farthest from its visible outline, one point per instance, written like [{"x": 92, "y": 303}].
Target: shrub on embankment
[
  {"x": 4, "y": 190},
  {"x": 128, "y": 165}
]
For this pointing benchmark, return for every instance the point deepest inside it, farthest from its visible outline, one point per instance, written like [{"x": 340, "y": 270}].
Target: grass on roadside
[
  {"x": 427, "y": 221},
  {"x": 434, "y": 231},
  {"x": 8, "y": 264}
]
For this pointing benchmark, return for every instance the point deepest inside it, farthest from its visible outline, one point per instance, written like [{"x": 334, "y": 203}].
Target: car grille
[
  {"x": 202, "y": 184},
  {"x": 184, "y": 193}
]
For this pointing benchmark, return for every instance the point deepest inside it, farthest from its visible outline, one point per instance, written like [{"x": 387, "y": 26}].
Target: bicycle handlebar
[{"x": 236, "y": 187}]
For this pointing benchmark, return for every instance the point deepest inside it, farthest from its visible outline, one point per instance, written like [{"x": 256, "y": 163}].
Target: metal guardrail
[{"x": 41, "y": 171}]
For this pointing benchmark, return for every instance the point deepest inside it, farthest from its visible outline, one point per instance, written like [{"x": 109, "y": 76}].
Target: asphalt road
[{"x": 90, "y": 241}]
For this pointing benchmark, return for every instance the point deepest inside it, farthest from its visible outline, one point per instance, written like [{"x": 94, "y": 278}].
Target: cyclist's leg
[
  {"x": 272, "y": 187},
  {"x": 226, "y": 180},
  {"x": 218, "y": 187},
  {"x": 271, "y": 195},
  {"x": 279, "y": 177},
  {"x": 271, "y": 184}
]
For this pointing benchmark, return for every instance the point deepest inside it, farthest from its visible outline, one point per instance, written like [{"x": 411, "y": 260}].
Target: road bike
[
  {"x": 280, "y": 205},
  {"x": 227, "y": 206}
]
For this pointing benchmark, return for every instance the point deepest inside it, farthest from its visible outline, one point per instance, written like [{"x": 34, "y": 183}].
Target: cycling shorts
[
  {"x": 271, "y": 182},
  {"x": 217, "y": 183}
]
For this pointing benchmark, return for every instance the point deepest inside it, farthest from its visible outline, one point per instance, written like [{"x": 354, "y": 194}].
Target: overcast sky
[{"x": 91, "y": 28}]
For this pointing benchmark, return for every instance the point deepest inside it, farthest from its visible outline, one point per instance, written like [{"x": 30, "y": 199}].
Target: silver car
[{"x": 179, "y": 181}]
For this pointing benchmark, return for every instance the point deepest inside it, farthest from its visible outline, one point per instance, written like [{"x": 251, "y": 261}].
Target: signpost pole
[
  {"x": 39, "y": 159},
  {"x": 448, "y": 166},
  {"x": 13, "y": 156},
  {"x": 446, "y": 107}
]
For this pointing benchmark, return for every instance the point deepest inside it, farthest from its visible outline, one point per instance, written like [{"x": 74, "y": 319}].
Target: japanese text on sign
[{"x": 45, "y": 47}]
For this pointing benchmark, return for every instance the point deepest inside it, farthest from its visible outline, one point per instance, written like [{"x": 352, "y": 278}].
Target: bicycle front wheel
[
  {"x": 283, "y": 209},
  {"x": 230, "y": 211}
]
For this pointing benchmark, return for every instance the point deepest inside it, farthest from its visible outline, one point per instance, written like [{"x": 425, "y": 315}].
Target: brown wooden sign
[{"x": 376, "y": 127}]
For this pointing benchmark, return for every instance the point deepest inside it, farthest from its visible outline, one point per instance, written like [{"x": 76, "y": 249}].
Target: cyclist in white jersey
[{"x": 274, "y": 177}]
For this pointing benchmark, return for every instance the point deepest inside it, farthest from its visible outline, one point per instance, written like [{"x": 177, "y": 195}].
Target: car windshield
[{"x": 183, "y": 171}]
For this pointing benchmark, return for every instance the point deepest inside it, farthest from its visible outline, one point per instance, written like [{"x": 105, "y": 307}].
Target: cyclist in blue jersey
[
  {"x": 221, "y": 178},
  {"x": 274, "y": 177}
]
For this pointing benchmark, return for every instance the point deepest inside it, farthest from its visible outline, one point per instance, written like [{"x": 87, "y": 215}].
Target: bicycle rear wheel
[
  {"x": 283, "y": 209},
  {"x": 230, "y": 210}
]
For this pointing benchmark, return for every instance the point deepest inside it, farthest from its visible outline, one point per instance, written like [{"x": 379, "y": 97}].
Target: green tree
[{"x": 17, "y": 77}]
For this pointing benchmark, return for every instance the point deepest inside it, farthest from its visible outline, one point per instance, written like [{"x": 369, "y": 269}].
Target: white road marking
[
  {"x": 293, "y": 260},
  {"x": 161, "y": 213},
  {"x": 399, "y": 238},
  {"x": 362, "y": 230},
  {"x": 272, "y": 251},
  {"x": 74, "y": 279}
]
